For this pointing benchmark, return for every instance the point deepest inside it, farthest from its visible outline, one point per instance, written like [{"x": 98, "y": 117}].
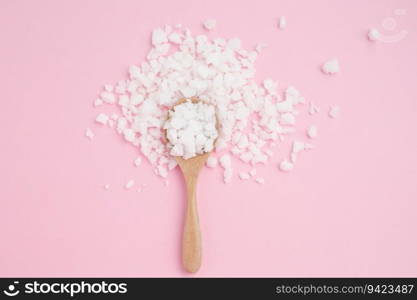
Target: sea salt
[
  {"x": 286, "y": 166},
  {"x": 191, "y": 129},
  {"x": 210, "y": 24},
  {"x": 102, "y": 119},
  {"x": 89, "y": 133},
  {"x": 260, "y": 180},
  {"x": 221, "y": 74},
  {"x": 129, "y": 184},
  {"x": 334, "y": 112},
  {"x": 212, "y": 162},
  {"x": 138, "y": 161},
  {"x": 244, "y": 175},
  {"x": 312, "y": 131},
  {"x": 282, "y": 23},
  {"x": 373, "y": 34},
  {"x": 331, "y": 66}
]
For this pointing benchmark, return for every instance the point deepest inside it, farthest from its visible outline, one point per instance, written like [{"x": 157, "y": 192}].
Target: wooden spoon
[{"x": 191, "y": 243}]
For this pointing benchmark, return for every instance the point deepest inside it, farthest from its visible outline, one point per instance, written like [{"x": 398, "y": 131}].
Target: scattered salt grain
[
  {"x": 334, "y": 111},
  {"x": 106, "y": 187},
  {"x": 282, "y": 23},
  {"x": 299, "y": 146},
  {"x": 260, "y": 180},
  {"x": 159, "y": 36},
  {"x": 331, "y": 67},
  {"x": 313, "y": 109},
  {"x": 212, "y": 162},
  {"x": 312, "y": 131},
  {"x": 98, "y": 102},
  {"x": 210, "y": 24},
  {"x": 89, "y": 133},
  {"x": 129, "y": 184},
  {"x": 260, "y": 47},
  {"x": 108, "y": 97},
  {"x": 102, "y": 119},
  {"x": 244, "y": 175},
  {"x": 225, "y": 161},
  {"x": 227, "y": 175},
  {"x": 138, "y": 161},
  {"x": 286, "y": 166},
  {"x": 252, "y": 172},
  {"x": 373, "y": 34},
  {"x": 108, "y": 88}
]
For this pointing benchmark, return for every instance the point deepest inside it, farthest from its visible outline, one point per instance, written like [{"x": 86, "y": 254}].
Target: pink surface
[{"x": 348, "y": 209}]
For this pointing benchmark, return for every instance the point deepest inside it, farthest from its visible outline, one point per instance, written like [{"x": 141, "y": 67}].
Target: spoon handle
[{"x": 191, "y": 244}]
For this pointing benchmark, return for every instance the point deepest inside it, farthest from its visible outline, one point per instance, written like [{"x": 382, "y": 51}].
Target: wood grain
[{"x": 191, "y": 243}]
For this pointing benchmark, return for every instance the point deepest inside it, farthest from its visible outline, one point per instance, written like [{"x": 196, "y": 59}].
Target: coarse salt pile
[
  {"x": 191, "y": 129},
  {"x": 252, "y": 118}
]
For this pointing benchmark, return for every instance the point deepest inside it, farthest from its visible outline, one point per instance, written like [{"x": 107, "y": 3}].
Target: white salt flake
[
  {"x": 252, "y": 172},
  {"x": 286, "y": 166},
  {"x": 334, "y": 111},
  {"x": 175, "y": 38},
  {"x": 98, "y": 102},
  {"x": 210, "y": 24},
  {"x": 108, "y": 88},
  {"x": 331, "y": 66},
  {"x": 129, "y": 184},
  {"x": 225, "y": 161},
  {"x": 282, "y": 23},
  {"x": 373, "y": 34},
  {"x": 260, "y": 47},
  {"x": 244, "y": 175},
  {"x": 313, "y": 109},
  {"x": 312, "y": 131},
  {"x": 102, "y": 119},
  {"x": 227, "y": 175},
  {"x": 89, "y": 133},
  {"x": 138, "y": 161},
  {"x": 106, "y": 187},
  {"x": 260, "y": 180},
  {"x": 159, "y": 36},
  {"x": 212, "y": 162}
]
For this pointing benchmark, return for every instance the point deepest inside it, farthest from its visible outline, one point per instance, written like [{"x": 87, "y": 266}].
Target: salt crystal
[
  {"x": 244, "y": 175},
  {"x": 312, "y": 131},
  {"x": 373, "y": 34},
  {"x": 212, "y": 162},
  {"x": 282, "y": 23},
  {"x": 129, "y": 184},
  {"x": 286, "y": 166},
  {"x": 159, "y": 36},
  {"x": 260, "y": 180},
  {"x": 102, "y": 119},
  {"x": 89, "y": 133},
  {"x": 138, "y": 161},
  {"x": 334, "y": 111},
  {"x": 210, "y": 24},
  {"x": 98, "y": 102},
  {"x": 331, "y": 66}
]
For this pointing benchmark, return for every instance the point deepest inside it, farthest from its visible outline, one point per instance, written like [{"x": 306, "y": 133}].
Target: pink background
[{"x": 349, "y": 208}]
